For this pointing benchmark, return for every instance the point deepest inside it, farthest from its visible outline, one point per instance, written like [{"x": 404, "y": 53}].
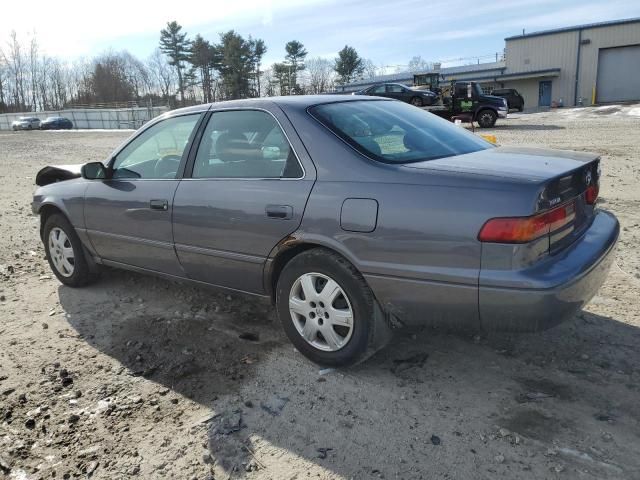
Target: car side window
[
  {"x": 245, "y": 144},
  {"x": 157, "y": 152},
  {"x": 394, "y": 89},
  {"x": 379, "y": 89}
]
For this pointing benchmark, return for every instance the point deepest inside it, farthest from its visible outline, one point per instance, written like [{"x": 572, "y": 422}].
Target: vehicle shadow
[{"x": 426, "y": 403}]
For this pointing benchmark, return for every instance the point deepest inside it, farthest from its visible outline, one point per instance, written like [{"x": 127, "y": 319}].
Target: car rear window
[{"x": 395, "y": 132}]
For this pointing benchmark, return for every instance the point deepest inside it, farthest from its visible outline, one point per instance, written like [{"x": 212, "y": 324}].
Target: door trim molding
[
  {"x": 130, "y": 239},
  {"x": 243, "y": 257}
]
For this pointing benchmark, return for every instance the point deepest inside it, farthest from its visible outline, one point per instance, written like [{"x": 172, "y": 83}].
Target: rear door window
[{"x": 245, "y": 144}]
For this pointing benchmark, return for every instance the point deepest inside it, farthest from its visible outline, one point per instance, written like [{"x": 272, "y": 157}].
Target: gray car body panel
[{"x": 411, "y": 230}]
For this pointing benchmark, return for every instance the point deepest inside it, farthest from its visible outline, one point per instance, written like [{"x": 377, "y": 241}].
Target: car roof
[{"x": 298, "y": 101}]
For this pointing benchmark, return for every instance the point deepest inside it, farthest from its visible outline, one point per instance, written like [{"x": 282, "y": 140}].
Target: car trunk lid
[
  {"x": 523, "y": 163},
  {"x": 564, "y": 178}
]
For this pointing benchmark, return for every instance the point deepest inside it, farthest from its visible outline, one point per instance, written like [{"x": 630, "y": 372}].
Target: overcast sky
[{"x": 388, "y": 32}]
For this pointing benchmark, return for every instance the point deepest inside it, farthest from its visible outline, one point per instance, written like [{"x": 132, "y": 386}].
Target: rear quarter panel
[{"x": 422, "y": 261}]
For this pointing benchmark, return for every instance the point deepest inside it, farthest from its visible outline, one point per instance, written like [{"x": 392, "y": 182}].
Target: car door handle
[
  {"x": 159, "y": 205},
  {"x": 284, "y": 212}
]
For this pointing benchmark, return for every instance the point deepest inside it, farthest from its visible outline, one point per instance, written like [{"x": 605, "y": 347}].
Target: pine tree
[
  {"x": 176, "y": 46},
  {"x": 204, "y": 58},
  {"x": 348, "y": 65},
  {"x": 296, "y": 53}
]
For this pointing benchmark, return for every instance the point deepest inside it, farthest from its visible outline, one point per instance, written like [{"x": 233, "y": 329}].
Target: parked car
[
  {"x": 26, "y": 123},
  {"x": 397, "y": 91},
  {"x": 354, "y": 215},
  {"x": 514, "y": 99},
  {"x": 56, "y": 123}
]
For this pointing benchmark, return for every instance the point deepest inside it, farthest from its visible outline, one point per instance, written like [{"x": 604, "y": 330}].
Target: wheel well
[
  {"x": 286, "y": 256},
  {"x": 281, "y": 260},
  {"x": 45, "y": 212}
]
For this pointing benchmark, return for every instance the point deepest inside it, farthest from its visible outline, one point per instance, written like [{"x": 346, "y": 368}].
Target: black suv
[{"x": 514, "y": 99}]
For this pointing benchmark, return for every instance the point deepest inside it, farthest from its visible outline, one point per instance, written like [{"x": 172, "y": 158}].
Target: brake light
[
  {"x": 526, "y": 229},
  {"x": 591, "y": 194}
]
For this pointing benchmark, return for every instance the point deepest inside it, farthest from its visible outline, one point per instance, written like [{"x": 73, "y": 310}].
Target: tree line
[{"x": 181, "y": 71}]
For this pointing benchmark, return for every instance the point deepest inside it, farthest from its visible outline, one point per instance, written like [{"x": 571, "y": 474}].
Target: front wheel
[
  {"x": 416, "y": 101},
  {"x": 65, "y": 253},
  {"x": 486, "y": 118},
  {"x": 328, "y": 311}
]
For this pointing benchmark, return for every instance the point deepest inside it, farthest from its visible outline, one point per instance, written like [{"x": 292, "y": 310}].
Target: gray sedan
[
  {"x": 26, "y": 123},
  {"x": 354, "y": 215}
]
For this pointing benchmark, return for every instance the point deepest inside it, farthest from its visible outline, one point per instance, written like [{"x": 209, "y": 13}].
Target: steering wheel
[{"x": 167, "y": 166}]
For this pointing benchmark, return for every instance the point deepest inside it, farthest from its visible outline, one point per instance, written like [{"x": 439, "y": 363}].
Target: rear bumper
[{"x": 549, "y": 293}]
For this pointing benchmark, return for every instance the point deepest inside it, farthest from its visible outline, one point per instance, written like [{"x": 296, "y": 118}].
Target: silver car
[
  {"x": 354, "y": 215},
  {"x": 26, "y": 123}
]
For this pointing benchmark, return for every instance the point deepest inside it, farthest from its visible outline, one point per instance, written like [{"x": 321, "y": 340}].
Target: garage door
[{"x": 618, "y": 74}]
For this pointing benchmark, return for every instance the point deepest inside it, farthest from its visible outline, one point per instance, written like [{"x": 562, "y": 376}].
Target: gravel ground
[{"x": 140, "y": 377}]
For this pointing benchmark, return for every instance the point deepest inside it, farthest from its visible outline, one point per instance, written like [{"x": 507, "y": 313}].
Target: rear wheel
[
  {"x": 328, "y": 311},
  {"x": 65, "y": 253},
  {"x": 416, "y": 101},
  {"x": 486, "y": 118}
]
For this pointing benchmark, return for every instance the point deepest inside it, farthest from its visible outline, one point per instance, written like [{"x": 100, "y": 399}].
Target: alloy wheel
[
  {"x": 61, "y": 252},
  {"x": 321, "y": 312}
]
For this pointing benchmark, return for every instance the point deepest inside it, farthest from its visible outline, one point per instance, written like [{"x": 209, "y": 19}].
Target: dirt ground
[{"x": 140, "y": 377}]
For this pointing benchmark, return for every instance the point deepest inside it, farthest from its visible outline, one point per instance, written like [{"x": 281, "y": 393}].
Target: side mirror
[{"x": 93, "y": 171}]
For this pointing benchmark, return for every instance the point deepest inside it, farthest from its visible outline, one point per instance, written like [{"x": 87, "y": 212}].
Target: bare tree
[
  {"x": 268, "y": 82},
  {"x": 369, "y": 68},
  {"x": 3, "y": 82},
  {"x": 320, "y": 75},
  {"x": 162, "y": 75},
  {"x": 418, "y": 64},
  {"x": 33, "y": 71},
  {"x": 15, "y": 60}
]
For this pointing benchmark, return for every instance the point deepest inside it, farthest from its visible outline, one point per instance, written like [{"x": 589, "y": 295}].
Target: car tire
[
  {"x": 486, "y": 118},
  {"x": 336, "y": 330},
  {"x": 69, "y": 266},
  {"x": 416, "y": 102}
]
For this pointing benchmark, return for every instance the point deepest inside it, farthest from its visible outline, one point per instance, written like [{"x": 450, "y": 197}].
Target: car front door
[
  {"x": 128, "y": 215},
  {"x": 249, "y": 185}
]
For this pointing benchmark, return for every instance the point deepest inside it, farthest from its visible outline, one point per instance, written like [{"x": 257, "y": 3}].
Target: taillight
[
  {"x": 591, "y": 194},
  {"x": 526, "y": 229}
]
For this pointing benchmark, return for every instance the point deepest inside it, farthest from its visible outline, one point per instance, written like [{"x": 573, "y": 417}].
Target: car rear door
[
  {"x": 128, "y": 216},
  {"x": 250, "y": 181},
  {"x": 396, "y": 92},
  {"x": 378, "y": 91}
]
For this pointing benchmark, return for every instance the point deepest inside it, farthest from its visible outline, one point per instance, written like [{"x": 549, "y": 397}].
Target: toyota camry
[{"x": 354, "y": 215}]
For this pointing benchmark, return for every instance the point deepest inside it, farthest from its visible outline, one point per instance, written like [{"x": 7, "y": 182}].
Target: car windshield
[{"x": 394, "y": 132}]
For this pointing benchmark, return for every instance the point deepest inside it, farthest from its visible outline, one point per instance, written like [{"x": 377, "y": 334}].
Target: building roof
[
  {"x": 408, "y": 76},
  {"x": 575, "y": 28}
]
